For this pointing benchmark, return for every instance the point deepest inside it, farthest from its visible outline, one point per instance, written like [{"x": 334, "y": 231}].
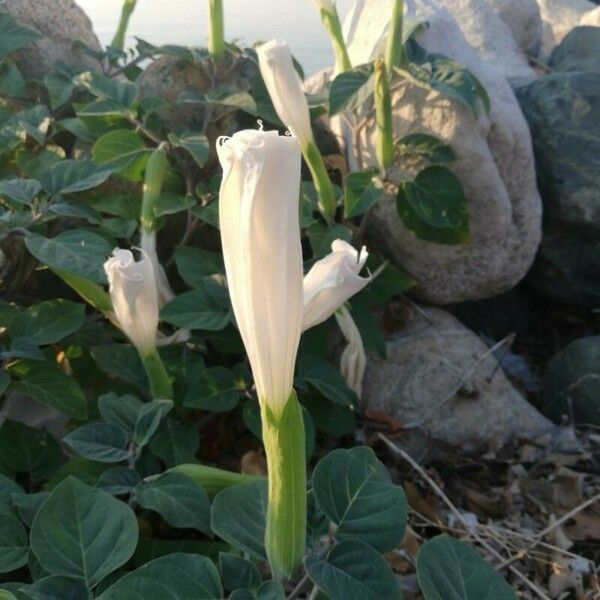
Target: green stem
[
  {"x": 119, "y": 40},
  {"x": 216, "y": 28},
  {"x": 156, "y": 170},
  {"x": 331, "y": 21},
  {"x": 384, "y": 143},
  {"x": 394, "y": 55},
  {"x": 323, "y": 185},
  {"x": 160, "y": 382},
  {"x": 283, "y": 438},
  {"x": 91, "y": 292},
  {"x": 213, "y": 480}
]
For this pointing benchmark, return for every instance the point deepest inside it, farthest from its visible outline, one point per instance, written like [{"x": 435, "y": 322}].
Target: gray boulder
[
  {"x": 62, "y": 23},
  {"x": 440, "y": 378},
  {"x": 572, "y": 383},
  {"x": 562, "y": 110},
  {"x": 579, "y": 51}
]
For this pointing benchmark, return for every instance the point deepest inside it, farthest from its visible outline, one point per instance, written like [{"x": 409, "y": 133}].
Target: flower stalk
[
  {"x": 384, "y": 144},
  {"x": 216, "y": 29},
  {"x": 160, "y": 382},
  {"x": 331, "y": 21},
  {"x": 118, "y": 42},
  {"x": 394, "y": 55},
  {"x": 321, "y": 180}
]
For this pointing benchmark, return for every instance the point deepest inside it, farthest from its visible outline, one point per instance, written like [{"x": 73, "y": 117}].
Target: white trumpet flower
[
  {"x": 163, "y": 288},
  {"x": 260, "y": 233},
  {"x": 331, "y": 281},
  {"x": 285, "y": 88},
  {"x": 132, "y": 289},
  {"x": 353, "y": 361}
]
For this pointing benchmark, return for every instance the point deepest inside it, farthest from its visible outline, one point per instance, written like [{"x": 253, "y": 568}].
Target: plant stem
[
  {"x": 156, "y": 169},
  {"x": 160, "y": 382},
  {"x": 119, "y": 40},
  {"x": 394, "y": 55},
  {"x": 283, "y": 438},
  {"x": 331, "y": 21},
  {"x": 323, "y": 185},
  {"x": 384, "y": 144},
  {"x": 216, "y": 29}
]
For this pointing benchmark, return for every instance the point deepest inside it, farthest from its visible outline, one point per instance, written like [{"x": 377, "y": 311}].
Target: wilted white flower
[
  {"x": 163, "y": 288},
  {"x": 260, "y": 233},
  {"x": 331, "y": 281},
  {"x": 353, "y": 361},
  {"x": 132, "y": 288}
]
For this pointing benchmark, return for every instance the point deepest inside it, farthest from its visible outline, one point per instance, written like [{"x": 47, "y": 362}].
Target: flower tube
[
  {"x": 353, "y": 361},
  {"x": 260, "y": 234},
  {"x": 331, "y": 21},
  {"x": 285, "y": 88}
]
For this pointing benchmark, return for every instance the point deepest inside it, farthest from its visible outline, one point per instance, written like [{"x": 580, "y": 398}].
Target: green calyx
[
  {"x": 160, "y": 382},
  {"x": 156, "y": 171}
]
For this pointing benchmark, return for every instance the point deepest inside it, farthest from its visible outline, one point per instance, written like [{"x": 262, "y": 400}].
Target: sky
[{"x": 184, "y": 22}]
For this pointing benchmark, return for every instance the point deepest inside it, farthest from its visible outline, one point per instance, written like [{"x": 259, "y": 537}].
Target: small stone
[{"x": 579, "y": 51}]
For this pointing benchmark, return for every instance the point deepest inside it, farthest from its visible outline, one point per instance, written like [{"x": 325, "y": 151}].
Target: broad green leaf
[
  {"x": 150, "y": 548},
  {"x": 87, "y": 471},
  {"x": 362, "y": 190},
  {"x": 36, "y": 164},
  {"x": 195, "y": 143},
  {"x": 60, "y": 87},
  {"x": 149, "y": 419},
  {"x": 176, "y": 443},
  {"x": 197, "y": 309},
  {"x": 69, "y": 176},
  {"x": 321, "y": 237},
  {"x": 7, "y": 595},
  {"x": 57, "y": 587},
  {"x": 213, "y": 389},
  {"x": 28, "y": 505},
  {"x": 178, "y": 500},
  {"x": 349, "y": 90},
  {"x": 83, "y": 532},
  {"x": 194, "y": 264},
  {"x": 237, "y": 572},
  {"x": 75, "y": 210},
  {"x": 14, "y": 545},
  {"x": 449, "y": 569},
  {"x": 14, "y": 36},
  {"x": 424, "y": 146},
  {"x": 118, "y": 481},
  {"x": 434, "y": 207},
  {"x": 356, "y": 492},
  {"x": 79, "y": 252},
  {"x": 326, "y": 378},
  {"x": 7, "y": 488},
  {"x": 123, "y": 151},
  {"x": 122, "y": 361},
  {"x": 47, "y": 384},
  {"x": 12, "y": 83},
  {"x": 91, "y": 292},
  {"x": 48, "y": 322},
  {"x": 175, "y": 576},
  {"x": 239, "y": 516},
  {"x": 170, "y": 203},
  {"x": 102, "y": 442},
  {"x": 353, "y": 571},
  {"x": 121, "y": 92},
  {"x": 20, "y": 190},
  {"x": 35, "y": 121},
  {"x": 269, "y": 590},
  {"x": 24, "y": 449}
]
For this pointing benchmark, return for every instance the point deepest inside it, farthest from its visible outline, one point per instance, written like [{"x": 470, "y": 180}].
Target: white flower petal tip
[
  {"x": 353, "y": 361},
  {"x": 332, "y": 281}
]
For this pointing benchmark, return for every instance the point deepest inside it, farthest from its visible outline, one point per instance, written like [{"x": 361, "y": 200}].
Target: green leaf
[
  {"x": 239, "y": 516},
  {"x": 76, "y": 251},
  {"x": 170, "y": 203},
  {"x": 434, "y": 207},
  {"x": 149, "y": 419},
  {"x": 237, "y": 572},
  {"x": 75, "y": 210},
  {"x": 57, "y": 587},
  {"x": 118, "y": 481},
  {"x": 122, "y": 361},
  {"x": 123, "y": 151},
  {"x": 14, "y": 545},
  {"x": 269, "y": 590},
  {"x": 22, "y": 191},
  {"x": 326, "y": 378},
  {"x": 449, "y": 569},
  {"x": 197, "y": 309},
  {"x": 356, "y": 492},
  {"x": 83, "y": 532},
  {"x": 362, "y": 190},
  {"x": 213, "y": 389},
  {"x": 176, "y": 443},
  {"x": 69, "y": 176},
  {"x": 8, "y": 488},
  {"x": 175, "y": 576},
  {"x": 47, "y": 384},
  {"x": 424, "y": 146},
  {"x": 35, "y": 122},
  {"x": 195, "y": 143},
  {"x": 350, "y": 89},
  {"x": 178, "y": 500},
  {"x": 28, "y": 505},
  {"x": 14, "y": 36},
  {"x": 321, "y": 237},
  {"x": 6, "y": 595},
  {"x": 194, "y": 264},
  {"x": 120, "y": 92},
  {"x": 48, "y": 322},
  {"x": 12, "y": 83},
  {"x": 353, "y": 571},
  {"x": 102, "y": 442}
]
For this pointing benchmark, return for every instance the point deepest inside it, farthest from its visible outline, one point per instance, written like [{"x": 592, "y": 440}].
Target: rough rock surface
[
  {"x": 579, "y": 51},
  {"x": 440, "y": 378},
  {"x": 563, "y": 111},
  {"x": 523, "y": 19},
  {"x": 559, "y": 17},
  {"x": 572, "y": 383},
  {"x": 61, "y": 22},
  {"x": 494, "y": 162}
]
